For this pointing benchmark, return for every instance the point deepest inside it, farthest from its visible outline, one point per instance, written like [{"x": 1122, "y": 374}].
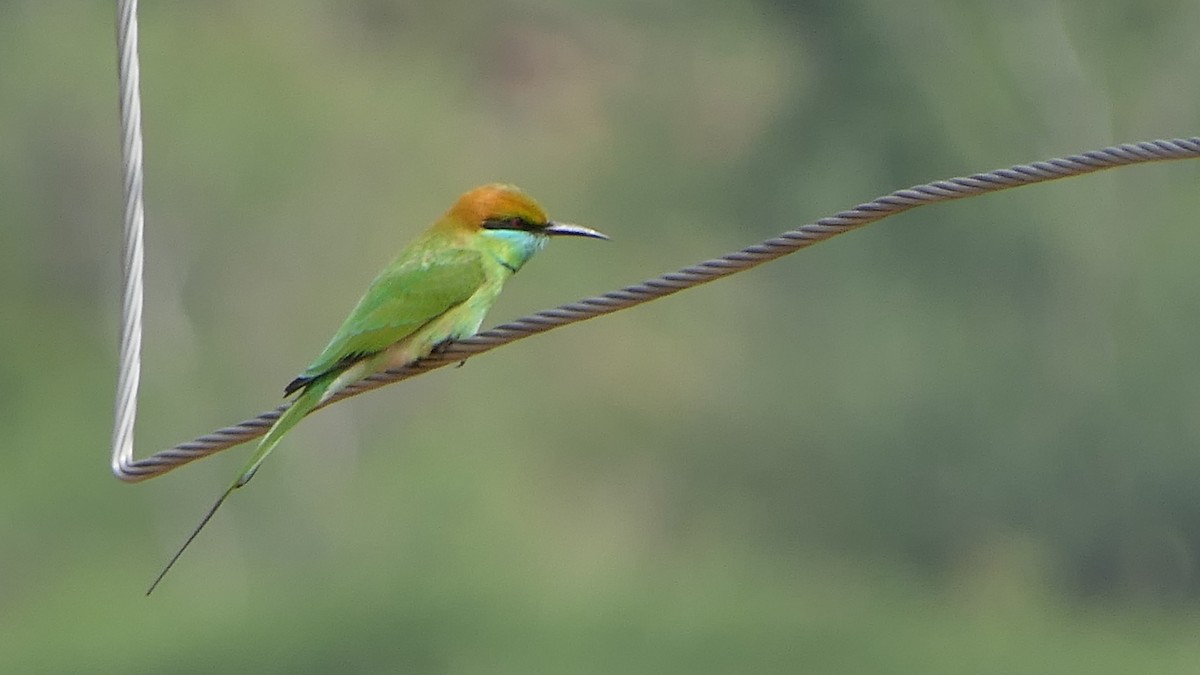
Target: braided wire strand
[
  {"x": 690, "y": 277},
  {"x": 130, "y": 470}
]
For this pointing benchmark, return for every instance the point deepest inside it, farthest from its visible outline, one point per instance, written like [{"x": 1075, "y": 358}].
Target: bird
[{"x": 436, "y": 290}]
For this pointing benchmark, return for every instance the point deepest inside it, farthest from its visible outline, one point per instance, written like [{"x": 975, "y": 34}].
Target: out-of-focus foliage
[{"x": 966, "y": 439}]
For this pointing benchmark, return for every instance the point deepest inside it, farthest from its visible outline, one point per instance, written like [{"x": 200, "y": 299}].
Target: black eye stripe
[{"x": 509, "y": 223}]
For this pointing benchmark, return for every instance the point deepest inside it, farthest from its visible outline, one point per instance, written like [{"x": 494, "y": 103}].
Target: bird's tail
[{"x": 303, "y": 405}]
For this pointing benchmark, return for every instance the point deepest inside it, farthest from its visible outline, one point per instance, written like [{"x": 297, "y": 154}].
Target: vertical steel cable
[{"x": 132, "y": 251}]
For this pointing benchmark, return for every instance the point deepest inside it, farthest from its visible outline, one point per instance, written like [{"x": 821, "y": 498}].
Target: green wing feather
[{"x": 405, "y": 296}]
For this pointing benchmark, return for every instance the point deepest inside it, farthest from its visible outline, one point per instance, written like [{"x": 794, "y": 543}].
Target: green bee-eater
[{"x": 437, "y": 289}]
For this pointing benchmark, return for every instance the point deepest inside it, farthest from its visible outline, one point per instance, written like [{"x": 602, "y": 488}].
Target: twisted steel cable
[
  {"x": 132, "y": 254},
  {"x": 130, "y": 470}
]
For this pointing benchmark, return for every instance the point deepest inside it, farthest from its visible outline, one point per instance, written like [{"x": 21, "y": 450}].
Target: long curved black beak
[{"x": 556, "y": 229}]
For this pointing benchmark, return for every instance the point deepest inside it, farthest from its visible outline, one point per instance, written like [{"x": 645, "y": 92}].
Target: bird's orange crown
[{"x": 495, "y": 202}]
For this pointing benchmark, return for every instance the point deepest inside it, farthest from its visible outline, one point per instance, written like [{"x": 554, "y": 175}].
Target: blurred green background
[{"x": 966, "y": 439}]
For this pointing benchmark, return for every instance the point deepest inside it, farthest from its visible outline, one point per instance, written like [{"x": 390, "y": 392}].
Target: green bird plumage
[{"x": 437, "y": 289}]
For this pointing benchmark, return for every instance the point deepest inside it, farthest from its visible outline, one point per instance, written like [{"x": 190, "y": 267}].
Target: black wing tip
[
  {"x": 296, "y": 385},
  {"x": 303, "y": 381}
]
